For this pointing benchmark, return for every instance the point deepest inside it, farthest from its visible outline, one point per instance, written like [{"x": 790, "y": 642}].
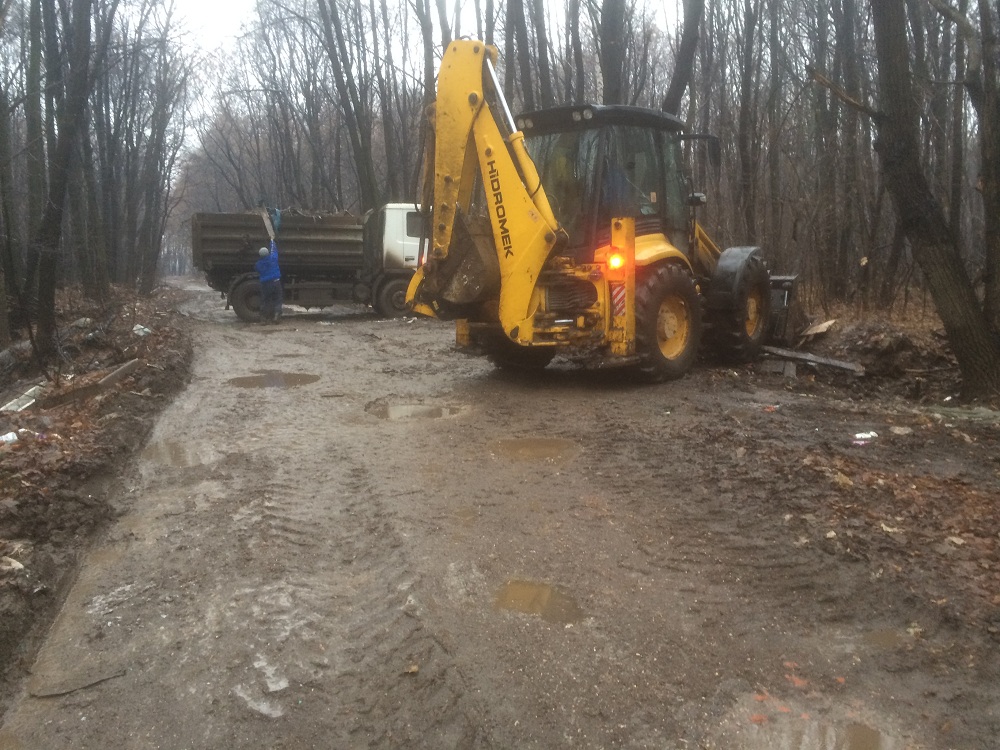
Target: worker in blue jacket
[{"x": 270, "y": 284}]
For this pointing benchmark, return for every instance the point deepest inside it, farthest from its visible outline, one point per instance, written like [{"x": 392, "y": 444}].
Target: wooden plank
[
  {"x": 267, "y": 222},
  {"x": 815, "y": 359},
  {"x": 91, "y": 390}
]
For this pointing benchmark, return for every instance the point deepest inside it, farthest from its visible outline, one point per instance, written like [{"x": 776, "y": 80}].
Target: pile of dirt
[
  {"x": 905, "y": 356},
  {"x": 119, "y": 364}
]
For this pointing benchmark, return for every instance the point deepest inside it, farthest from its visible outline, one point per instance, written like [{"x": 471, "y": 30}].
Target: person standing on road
[{"x": 270, "y": 284}]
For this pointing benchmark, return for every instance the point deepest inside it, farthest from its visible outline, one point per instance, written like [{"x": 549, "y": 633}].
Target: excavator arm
[{"x": 472, "y": 262}]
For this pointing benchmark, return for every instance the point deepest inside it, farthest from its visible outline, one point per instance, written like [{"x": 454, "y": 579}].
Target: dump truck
[
  {"x": 572, "y": 231},
  {"x": 325, "y": 258}
]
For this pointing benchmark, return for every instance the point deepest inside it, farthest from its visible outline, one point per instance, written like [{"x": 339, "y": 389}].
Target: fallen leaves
[{"x": 797, "y": 682}]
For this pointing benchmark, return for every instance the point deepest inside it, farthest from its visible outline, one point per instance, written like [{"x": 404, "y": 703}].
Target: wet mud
[{"x": 344, "y": 534}]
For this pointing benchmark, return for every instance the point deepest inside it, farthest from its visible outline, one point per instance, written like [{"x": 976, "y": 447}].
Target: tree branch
[{"x": 839, "y": 92}]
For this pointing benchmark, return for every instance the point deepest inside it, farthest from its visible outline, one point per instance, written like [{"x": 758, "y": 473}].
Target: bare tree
[
  {"x": 612, "y": 50},
  {"x": 70, "y": 114},
  {"x": 694, "y": 10},
  {"x": 356, "y": 111},
  {"x": 974, "y": 340}
]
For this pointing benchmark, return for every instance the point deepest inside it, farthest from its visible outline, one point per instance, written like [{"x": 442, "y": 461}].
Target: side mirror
[
  {"x": 696, "y": 200},
  {"x": 714, "y": 146}
]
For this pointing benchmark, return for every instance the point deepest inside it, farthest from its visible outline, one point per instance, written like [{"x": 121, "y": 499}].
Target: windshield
[
  {"x": 593, "y": 175},
  {"x": 567, "y": 165}
]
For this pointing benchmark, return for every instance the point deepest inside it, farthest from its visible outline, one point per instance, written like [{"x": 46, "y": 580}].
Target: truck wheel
[
  {"x": 508, "y": 355},
  {"x": 245, "y": 299},
  {"x": 667, "y": 323},
  {"x": 739, "y": 331},
  {"x": 391, "y": 302}
]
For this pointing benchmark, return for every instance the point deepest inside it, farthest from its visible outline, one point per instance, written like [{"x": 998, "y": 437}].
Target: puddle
[
  {"x": 542, "y": 599},
  {"x": 412, "y": 411},
  {"x": 176, "y": 454},
  {"x": 537, "y": 449},
  {"x": 886, "y": 638},
  {"x": 816, "y": 736},
  {"x": 789, "y": 727},
  {"x": 860, "y": 737},
  {"x": 274, "y": 379}
]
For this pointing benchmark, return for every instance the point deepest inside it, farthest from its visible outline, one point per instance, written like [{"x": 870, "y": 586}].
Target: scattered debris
[
  {"x": 784, "y": 368},
  {"x": 816, "y": 330},
  {"x": 9, "y": 563},
  {"x": 815, "y": 359},
  {"x": 91, "y": 389},
  {"x": 24, "y": 401}
]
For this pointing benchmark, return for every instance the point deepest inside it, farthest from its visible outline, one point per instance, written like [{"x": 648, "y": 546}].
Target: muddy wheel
[
  {"x": 391, "y": 302},
  {"x": 739, "y": 331},
  {"x": 667, "y": 323},
  {"x": 507, "y": 355},
  {"x": 245, "y": 299}
]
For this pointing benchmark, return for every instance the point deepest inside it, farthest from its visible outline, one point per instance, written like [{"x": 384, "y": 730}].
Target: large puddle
[
  {"x": 531, "y": 598},
  {"x": 274, "y": 379},
  {"x": 394, "y": 412},
  {"x": 537, "y": 449},
  {"x": 813, "y": 735}
]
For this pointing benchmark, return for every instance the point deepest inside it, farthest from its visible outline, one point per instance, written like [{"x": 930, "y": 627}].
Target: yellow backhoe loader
[{"x": 572, "y": 231}]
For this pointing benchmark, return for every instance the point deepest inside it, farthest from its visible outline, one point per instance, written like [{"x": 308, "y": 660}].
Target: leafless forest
[{"x": 860, "y": 138}]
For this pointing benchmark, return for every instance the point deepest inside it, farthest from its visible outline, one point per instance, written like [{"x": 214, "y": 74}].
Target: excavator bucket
[{"x": 470, "y": 274}]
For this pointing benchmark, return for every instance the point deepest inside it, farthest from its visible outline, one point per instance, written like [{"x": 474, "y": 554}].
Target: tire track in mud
[
  {"x": 353, "y": 591},
  {"x": 262, "y": 547},
  {"x": 360, "y": 583}
]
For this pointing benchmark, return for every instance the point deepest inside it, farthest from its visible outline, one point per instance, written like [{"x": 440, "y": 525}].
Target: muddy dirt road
[{"x": 344, "y": 535}]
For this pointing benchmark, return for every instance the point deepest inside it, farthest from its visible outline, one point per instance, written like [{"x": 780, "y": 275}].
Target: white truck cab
[{"x": 401, "y": 235}]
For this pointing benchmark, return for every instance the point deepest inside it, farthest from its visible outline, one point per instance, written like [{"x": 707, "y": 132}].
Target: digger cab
[{"x": 599, "y": 162}]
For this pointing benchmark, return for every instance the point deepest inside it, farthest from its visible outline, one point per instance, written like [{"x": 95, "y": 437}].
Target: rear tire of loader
[
  {"x": 668, "y": 323},
  {"x": 245, "y": 300},
  {"x": 505, "y": 354},
  {"x": 739, "y": 332}
]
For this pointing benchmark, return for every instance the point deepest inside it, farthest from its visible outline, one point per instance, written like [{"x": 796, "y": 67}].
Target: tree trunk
[
  {"x": 547, "y": 98},
  {"x": 10, "y": 257},
  {"x": 577, "y": 92},
  {"x": 70, "y": 115},
  {"x": 612, "y": 50},
  {"x": 975, "y": 344},
  {"x": 358, "y": 121},
  {"x": 517, "y": 21},
  {"x": 989, "y": 115},
  {"x": 694, "y": 10},
  {"x": 746, "y": 139}
]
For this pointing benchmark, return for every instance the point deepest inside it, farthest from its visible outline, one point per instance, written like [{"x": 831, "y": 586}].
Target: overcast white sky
[
  {"x": 215, "y": 22},
  {"x": 212, "y": 23}
]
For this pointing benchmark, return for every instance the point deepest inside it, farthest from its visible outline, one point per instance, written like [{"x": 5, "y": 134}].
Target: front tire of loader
[
  {"x": 667, "y": 323},
  {"x": 505, "y": 354},
  {"x": 245, "y": 300},
  {"x": 391, "y": 302},
  {"x": 739, "y": 331}
]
